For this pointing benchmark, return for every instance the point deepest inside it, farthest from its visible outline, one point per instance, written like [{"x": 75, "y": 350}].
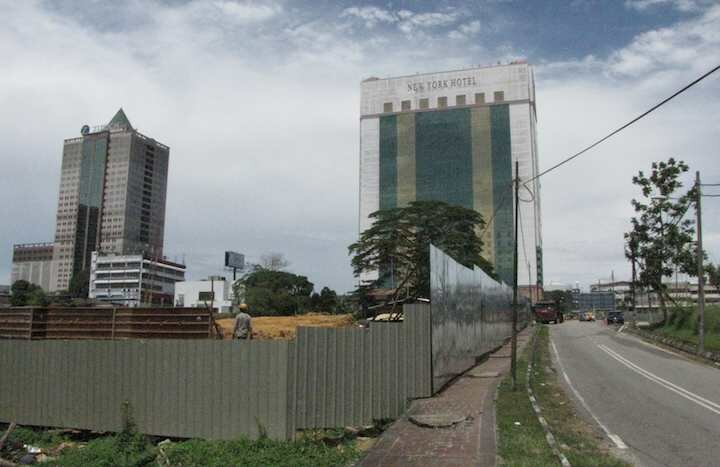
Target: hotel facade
[{"x": 455, "y": 137}]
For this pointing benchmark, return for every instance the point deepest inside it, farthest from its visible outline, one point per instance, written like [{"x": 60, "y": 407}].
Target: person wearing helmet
[{"x": 243, "y": 327}]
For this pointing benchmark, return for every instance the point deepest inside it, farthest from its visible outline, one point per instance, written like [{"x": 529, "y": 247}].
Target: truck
[{"x": 547, "y": 311}]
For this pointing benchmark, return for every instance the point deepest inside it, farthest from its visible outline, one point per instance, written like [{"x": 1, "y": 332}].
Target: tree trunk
[{"x": 663, "y": 306}]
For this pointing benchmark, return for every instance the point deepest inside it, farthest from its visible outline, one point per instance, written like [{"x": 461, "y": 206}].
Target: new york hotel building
[{"x": 455, "y": 136}]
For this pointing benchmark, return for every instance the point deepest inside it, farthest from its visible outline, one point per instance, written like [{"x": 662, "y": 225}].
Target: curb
[
  {"x": 690, "y": 350},
  {"x": 549, "y": 437}
]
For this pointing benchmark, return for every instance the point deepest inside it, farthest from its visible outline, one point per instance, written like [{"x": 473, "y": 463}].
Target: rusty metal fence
[{"x": 105, "y": 323}]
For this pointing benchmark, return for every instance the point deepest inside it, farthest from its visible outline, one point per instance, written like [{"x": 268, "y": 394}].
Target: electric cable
[{"x": 618, "y": 130}]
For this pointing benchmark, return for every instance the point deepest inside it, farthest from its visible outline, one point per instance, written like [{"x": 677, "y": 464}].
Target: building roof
[{"x": 120, "y": 119}]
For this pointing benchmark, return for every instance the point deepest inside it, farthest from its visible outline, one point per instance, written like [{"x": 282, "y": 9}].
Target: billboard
[{"x": 234, "y": 260}]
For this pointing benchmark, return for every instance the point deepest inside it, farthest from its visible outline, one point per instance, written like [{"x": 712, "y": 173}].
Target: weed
[{"x": 265, "y": 452}]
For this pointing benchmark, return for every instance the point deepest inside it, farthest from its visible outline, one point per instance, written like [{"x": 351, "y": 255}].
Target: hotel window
[
  {"x": 499, "y": 96},
  {"x": 405, "y": 105},
  {"x": 442, "y": 102},
  {"x": 460, "y": 100},
  {"x": 479, "y": 97},
  {"x": 424, "y": 103},
  {"x": 387, "y": 107}
]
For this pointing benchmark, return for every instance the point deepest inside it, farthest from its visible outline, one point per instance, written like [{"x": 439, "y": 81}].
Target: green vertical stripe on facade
[
  {"x": 405, "y": 159},
  {"x": 388, "y": 162},
  {"x": 502, "y": 191},
  {"x": 443, "y": 157},
  {"x": 483, "y": 175}
]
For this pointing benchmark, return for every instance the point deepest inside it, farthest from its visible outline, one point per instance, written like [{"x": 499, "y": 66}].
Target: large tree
[
  {"x": 661, "y": 240},
  {"x": 275, "y": 292},
  {"x": 397, "y": 245}
]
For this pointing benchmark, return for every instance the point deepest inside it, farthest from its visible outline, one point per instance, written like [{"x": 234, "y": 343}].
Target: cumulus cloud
[
  {"x": 260, "y": 109},
  {"x": 247, "y": 12},
  {"x": 465, "y": 30},
  {"x": 693, "y": 43},
  {"x": 371, "y": 15},
  {"x": 407, "y": 21}
]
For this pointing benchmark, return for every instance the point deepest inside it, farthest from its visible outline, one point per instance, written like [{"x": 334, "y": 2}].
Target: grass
[
  {"x": 525, "y": 445},
  {"x": 682, "y": 325},
  {"x": 263, "y": 452},
  {"x": 131, "y": 449}
]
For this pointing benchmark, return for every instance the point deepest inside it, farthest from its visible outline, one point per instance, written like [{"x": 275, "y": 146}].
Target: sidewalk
[{"x": 454, "y": 428}]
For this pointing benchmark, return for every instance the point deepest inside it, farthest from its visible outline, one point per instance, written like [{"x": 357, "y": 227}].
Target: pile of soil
[{"x": 284, "y": 327}]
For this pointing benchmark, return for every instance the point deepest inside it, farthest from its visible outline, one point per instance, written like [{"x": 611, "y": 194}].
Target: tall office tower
[
  {"x": 454, "y": 137},
  {"x": 112, "y": 197}
]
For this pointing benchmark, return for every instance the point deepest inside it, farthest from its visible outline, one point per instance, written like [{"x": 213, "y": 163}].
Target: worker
[{"x": 243, "y": 328}]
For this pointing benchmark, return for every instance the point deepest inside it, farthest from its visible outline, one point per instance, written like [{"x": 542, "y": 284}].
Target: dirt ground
[{"x": 283, "y": 327}]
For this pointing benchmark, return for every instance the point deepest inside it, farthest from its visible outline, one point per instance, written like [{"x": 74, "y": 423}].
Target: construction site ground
[{"x": 284, "y": 327}]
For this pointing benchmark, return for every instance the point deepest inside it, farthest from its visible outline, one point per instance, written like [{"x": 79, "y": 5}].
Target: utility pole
[
  {"x": 701, "y": 269},
  {"x": 513, "y": 345},
  {"x": 632, "y": 286}
]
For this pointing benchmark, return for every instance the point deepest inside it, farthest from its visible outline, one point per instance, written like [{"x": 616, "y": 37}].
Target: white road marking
[
  {"x": 613, "y": 437},
  {"x": 691, "y": 396},
  {"x": 623, "y": 327}
]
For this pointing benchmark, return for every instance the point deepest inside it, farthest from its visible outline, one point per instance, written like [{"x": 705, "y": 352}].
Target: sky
[{"x": 259, "y": 103}]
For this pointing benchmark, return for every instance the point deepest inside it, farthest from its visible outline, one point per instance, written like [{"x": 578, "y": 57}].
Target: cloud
[
  {"x": 247, "y": 12},
  {"x": 371, "y": 15},
  {"x": 465, "y": 30},
  {"x": 693, "y": 43},
  {"x": 260, "y": 109},
  {"x": 680, "y": 5},
  {"x": 407, "y": 21}
]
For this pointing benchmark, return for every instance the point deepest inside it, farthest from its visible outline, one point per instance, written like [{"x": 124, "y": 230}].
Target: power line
[
  {"x": 639, "y": 117},
  {"x": 710, "y": 184},
  {"x": 497, "y": 208}
]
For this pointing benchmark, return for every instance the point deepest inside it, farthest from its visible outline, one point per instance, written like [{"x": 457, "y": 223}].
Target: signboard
[{"x": 234, "y": 260}]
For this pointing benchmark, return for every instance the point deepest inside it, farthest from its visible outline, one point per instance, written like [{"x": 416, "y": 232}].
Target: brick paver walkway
[{"x": 468, "y": 401}]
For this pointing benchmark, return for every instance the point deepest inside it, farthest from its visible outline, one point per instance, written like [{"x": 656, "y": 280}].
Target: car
[
  {"x": 615, "y": 317},
  {"x": 586, "y": 316}
]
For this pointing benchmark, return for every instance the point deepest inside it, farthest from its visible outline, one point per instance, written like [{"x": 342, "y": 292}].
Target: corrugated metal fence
[
  {"x": 352, "y": 376},
  {"x": 220, "y": 389},
  {"x": 209, "y": 389}
]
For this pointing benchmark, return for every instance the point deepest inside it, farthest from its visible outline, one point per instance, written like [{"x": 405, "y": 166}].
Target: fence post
[
  {"x": 30, "y": 323},
  {"x": 112, "y": 332}
]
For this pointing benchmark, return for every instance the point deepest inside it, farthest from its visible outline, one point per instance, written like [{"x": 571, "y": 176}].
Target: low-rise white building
[
  {"x": 215, "y": 292},
  {"x": 134, "y": 280}
]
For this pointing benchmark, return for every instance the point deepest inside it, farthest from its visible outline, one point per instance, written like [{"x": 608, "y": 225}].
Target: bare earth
[{"x": 283, "y": 327}]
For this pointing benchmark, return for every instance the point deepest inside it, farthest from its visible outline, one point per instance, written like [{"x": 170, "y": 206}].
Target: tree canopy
[
  {"x": 660, "y": 240},
  {"x": 270, "y": 292},
  {"x": 326, "y": 301},
  {"x": 24, "y": 293},
  {"x": 397, "y": 245}
]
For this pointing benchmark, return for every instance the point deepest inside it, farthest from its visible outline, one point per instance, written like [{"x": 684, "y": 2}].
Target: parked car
[
  {"x": 547, "y": 311},
  {"x": 615, "y": 317}
]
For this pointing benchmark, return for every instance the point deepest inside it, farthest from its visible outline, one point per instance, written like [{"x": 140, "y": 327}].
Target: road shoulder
[{"x": 522, "y": 440}]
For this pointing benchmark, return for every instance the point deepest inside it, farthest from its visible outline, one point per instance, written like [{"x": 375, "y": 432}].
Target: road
[{"x": 657, "y": 408}]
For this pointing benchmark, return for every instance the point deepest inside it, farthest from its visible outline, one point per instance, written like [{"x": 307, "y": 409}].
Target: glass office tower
[
  {"x": 454, "y": 137},
  {"x": 112, "y": 197}
]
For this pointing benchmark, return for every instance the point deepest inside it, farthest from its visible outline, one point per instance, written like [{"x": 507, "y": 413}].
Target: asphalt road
[{"x": 656, "y": 407}]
